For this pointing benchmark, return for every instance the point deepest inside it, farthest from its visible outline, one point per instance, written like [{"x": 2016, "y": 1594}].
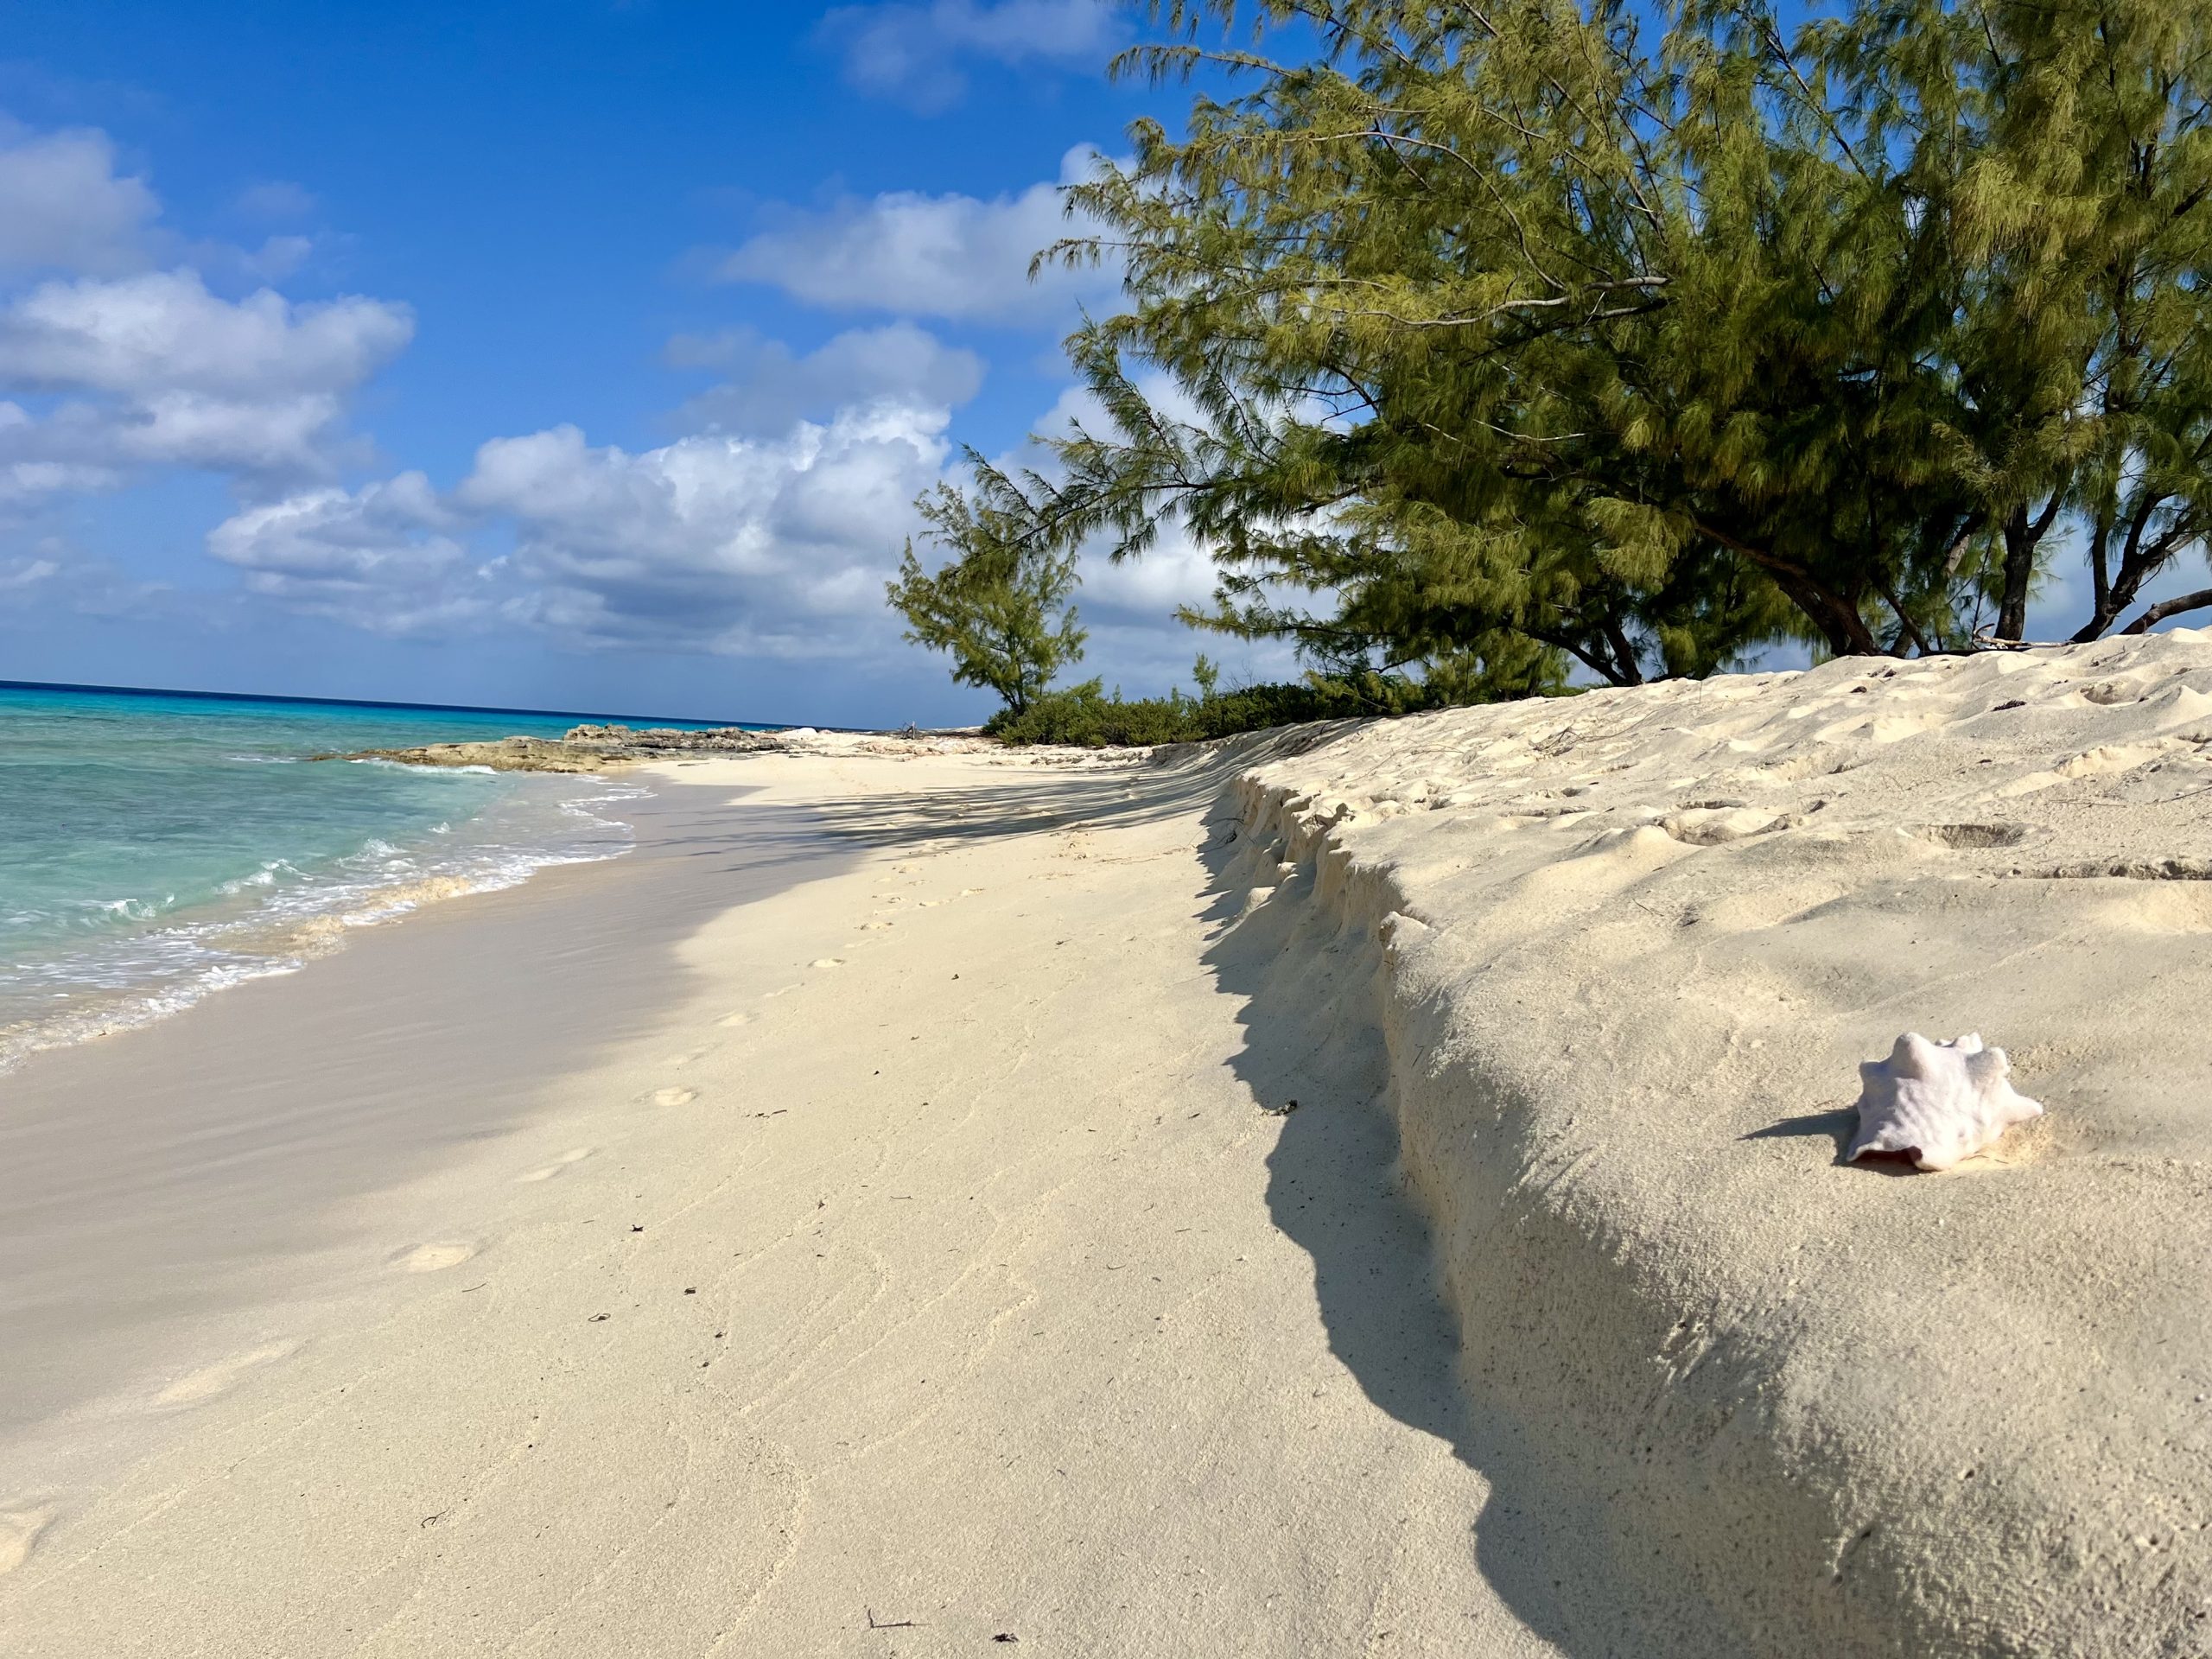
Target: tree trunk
[
  {"x": 2023, "y": 536},
  {"x": 2103, "y": 607},
  {"x": 1623, "y": 653},
  {"x": 2020, "y": 571},
  {"x": 1835, "y": 614}
]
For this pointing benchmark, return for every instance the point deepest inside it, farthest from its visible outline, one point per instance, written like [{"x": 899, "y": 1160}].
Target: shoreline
[
  {"x": 220, "y": 1154},
  {"x": 85, "y": 965},
  {"x": 1377, "y": 1186}
]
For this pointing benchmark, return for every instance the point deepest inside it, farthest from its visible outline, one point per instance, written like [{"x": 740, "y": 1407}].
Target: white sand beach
[{"x": 874, "y": 1218}]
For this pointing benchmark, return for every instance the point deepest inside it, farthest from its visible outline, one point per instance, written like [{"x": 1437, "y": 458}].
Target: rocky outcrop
[
  {"x": 610, "y": 748},
  {"x": 506, "y": 754},
  {"x": 635, "y": 743}
]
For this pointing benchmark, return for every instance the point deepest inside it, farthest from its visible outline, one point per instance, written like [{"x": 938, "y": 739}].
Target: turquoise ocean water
[{"x": 155, "y": 848}]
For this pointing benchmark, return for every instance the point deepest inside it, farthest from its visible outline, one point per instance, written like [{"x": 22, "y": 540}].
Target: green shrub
[{"x": 1083, "y": 716}]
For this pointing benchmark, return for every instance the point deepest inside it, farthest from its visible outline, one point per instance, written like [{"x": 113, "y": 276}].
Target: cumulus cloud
[
  {"x": 378, "y": 557},
  {"x": 63, "y": 206},
  {"x": 1175, "y": 571},
  {"x": 110, "y": 364},
  {"x": 911, "y": 52},
  {"x": 917, "y": 255},
  {"x": 778, "y": 547},
  {"x": 766, "y": 386},
  {"x": 773, "y": 546},
  {"x": 30, "y": 472},
  {"x": 153, "y": 369},
  {"x": 164, "y": 329}
]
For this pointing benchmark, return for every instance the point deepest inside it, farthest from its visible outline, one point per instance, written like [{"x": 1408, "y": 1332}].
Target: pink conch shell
[{"x": 1937, "y": 1102}]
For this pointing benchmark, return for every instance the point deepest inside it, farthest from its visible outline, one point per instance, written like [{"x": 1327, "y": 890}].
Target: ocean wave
[
  {"x": 416, "y": 769},
  {"x": 281, "y": 916},
  {"x": 266, "y": 876}
]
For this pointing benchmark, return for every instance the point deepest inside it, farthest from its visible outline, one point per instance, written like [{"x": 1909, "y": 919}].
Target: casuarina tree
[
  {"x": 1644, "y": 337},
  {"x": 997, "y": 605}
]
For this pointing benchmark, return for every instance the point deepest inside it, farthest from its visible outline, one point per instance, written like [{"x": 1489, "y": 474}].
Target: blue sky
[{"x": 585, "y": 354}]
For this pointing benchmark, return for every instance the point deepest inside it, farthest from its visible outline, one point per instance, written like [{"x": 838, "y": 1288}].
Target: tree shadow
[
  {"x": 1003, "y": 803},
  {"x": 1313, "y": 1029}
]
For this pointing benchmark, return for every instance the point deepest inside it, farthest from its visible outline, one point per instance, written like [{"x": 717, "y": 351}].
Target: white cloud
[
  {"x": 911, "y": 53},
  {"x": 1175, "y": 570},
  {"x": 773, "y": 547},
  {"x": 62, "y": 205},
  {"x": 377, "y": 558},
  {"x": 164, "y": 329},
  {"x": 277, "y": 257},
  {"x": 156, "y": 370},
  {"x": 27, "y": 474},
  {"x": 28, "y": 573},
  {"x": 767, "y": 386},
  {"x": 110, "y": 364},
  {"x": 770, "y": 545},
  {"x": 770, "y": 529},
  {"x": 917, "y": 255}
]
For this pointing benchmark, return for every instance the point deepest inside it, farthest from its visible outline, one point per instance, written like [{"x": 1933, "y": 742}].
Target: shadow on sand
[{"x": 1314, "y": 1033}]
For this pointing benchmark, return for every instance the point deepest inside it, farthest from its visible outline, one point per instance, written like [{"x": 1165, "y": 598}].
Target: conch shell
[{"x": 1937, "y": 1102}]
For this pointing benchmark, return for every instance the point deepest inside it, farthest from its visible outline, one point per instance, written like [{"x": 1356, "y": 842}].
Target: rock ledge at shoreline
[{"x": 611, "y": 748}]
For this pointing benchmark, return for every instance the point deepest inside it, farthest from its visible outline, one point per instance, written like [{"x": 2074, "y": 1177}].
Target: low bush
[{"x": 1085, "y": 716}]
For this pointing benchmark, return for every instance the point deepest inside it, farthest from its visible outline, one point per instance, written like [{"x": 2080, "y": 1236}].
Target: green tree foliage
[
  {"x": 1085, "y": 716},
  {"x": 1644, "y": 336},
  {"x": 992, "y": 607}
]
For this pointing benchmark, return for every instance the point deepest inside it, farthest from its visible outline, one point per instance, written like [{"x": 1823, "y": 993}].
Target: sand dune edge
[{"x": 1626, "y": 949}]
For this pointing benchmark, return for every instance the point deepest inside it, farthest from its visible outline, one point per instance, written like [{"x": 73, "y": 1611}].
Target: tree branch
[{"x": 2166, "y": 607}]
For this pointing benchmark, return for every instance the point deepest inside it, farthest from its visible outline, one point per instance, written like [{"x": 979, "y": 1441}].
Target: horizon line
[{"x": 386, "y": 702}]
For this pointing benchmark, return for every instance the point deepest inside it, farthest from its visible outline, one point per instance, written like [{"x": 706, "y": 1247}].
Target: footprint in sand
[
  {"x": 875, "y": 927},
  {"x": 786, "y": 990},
  {"x": 932, "y": 904},
  {"x": 675, "y": 1096},
  {"x": 827, "y": 961},
  {"x": 196, "y": 1388},
  {"x": 964, "y": 892},
  {"x": 19, "y": 1532},
  {"x": 685, "y": 1058},
  {"x": 559, "y": 1164},
  {"x": 433, "y": 1258},
  {"x": 738, "y": 1019}
]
